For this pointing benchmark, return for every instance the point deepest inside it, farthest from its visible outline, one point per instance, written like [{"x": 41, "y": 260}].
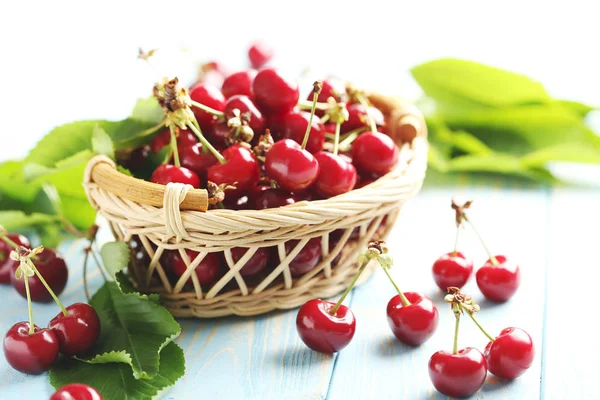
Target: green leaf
[
  {"x": 13, "y": 183},
  {"x": 148, "y": 109},
  {"x": 134, "y": 330},
  {"x": 470, "y": 83},
  {"x": 116, "y": 382},
  {"x": 102, "y": 143},
  {"x": 499, "y": 164},
  {"x": 563, "y": 152},
  {"x": 16, "y": 220},
  {"x": 127, "y": 287},
  {"x": 576, "y": 107},
  {"x": 115, "y": 256}
]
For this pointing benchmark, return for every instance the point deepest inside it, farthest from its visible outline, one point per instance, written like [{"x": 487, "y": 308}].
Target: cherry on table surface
[
  {"x": 452, "y": 269},
  {"x": 275, "y": 93},
  {"x": 498, "y": 282},
  {"x": 245, "y": 105},
  {"x": 307, "y": 258},
  {"x": 323, "y": 332},
  {"x": 267, "y": 197},
  {"x": 30, "y": 353},
  {"x": 337, "y": 175},
  {"x": 374, "y": 153},
  {"x": 7, "y": 265},
  {"x": 239, "y": 83},
  {"x": 292, "y": 125},
  {"x": 53, "y": 269},
  {"x": 358, "y": 117},
  {"x": 241, "y": 170},
  {"x": 78, "y": 331},
  {"x": 166, "y": 173},
  {"x": 76, "y": 391},
  {"x": 207, "y": 271},
  {"x": 292, "y": 167},
  {"x": 256, "y": 264},
  {"x": 259, "y": 54},
  {"x": 415, "y": 323},
  {"x": 458, "y": 375},
  {"x": 209, "y": 96},
  {"x": 511, "y": 354},
  {"x": 197, "y": 160}
]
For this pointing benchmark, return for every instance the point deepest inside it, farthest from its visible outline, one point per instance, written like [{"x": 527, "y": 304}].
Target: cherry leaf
[
  {"x": 127, "y": 287},
  {"x": 115, "y": 256},
  {"x": 102, "y": 143}
]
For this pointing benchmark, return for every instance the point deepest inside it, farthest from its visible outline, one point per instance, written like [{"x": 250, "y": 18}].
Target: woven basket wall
[{"x": 356, "y": 217}]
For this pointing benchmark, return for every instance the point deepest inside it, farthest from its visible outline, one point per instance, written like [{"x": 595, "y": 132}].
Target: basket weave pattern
[{"x": 358, "y": 216}]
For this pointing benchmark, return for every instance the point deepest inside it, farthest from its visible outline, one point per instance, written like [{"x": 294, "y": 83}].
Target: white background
[{"x": 62, "y": 61}]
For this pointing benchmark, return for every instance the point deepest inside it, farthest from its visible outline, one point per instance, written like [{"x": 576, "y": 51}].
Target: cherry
[
  {"x": 76, "y": 391},
  {"x": 240, "y": 170},
  {"x": 293, "y": 125},
  {"x": 219, "y": 134},
  {"x": 259, "y": 54},
  {"x": 256, "y": 264},
  {"x": 510, "y": 354},
  {"x": 336, "y": 174},
  {"x": 271, "y": 198},
  {"x": 458, "y": 374},
  {"x": 208, "y": 96},
  {"x": 166, "y": 173},
  {"x": 78, "y": 330},
  {"x": 53, "y": 269},
  {"x": 136, "y": 160},
  {"x": 195, "y": 159},
  {"x": 245, "y": 105},
  {"x": 498, "y": 279},
  {"x": 307, "y": 258},
  {"x": 275, "y": 93},
  {"x": 452, "y": 269},
  {"x": 160, "y": 141},
  {"x": 415, "y": 322},
  {"x": 324, "y": 331},
  {"x": 207, "y": 271},
  {"x": 7, "y": 265},
  {"x": 331, "y": 88},
  {"x": 239, "y": 83},
  {"x": 292, "y": 167},
  {"x": 358, "y": 117},
  {"x": 374, "y": 153},
  {"x": 31, "y": 351}
]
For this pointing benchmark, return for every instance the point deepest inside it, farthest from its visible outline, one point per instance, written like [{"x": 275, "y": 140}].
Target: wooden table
[{"x": 552, "y": 232}]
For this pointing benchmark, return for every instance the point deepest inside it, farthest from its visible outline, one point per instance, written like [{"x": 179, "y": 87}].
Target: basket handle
[
  {"x": 405, "y": 121},
  {"x": 104, "y": 174}
]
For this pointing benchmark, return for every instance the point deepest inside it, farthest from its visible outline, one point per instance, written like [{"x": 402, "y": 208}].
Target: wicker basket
[{"x": 173, "y": 217}]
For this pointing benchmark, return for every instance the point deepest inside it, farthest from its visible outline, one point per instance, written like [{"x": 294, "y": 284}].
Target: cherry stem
[
  {"x": 10, "y": 242},
  {"x": 481, "y": 327},
  {"x": 63, "y": 309},
  {"x": 405, "y": 301},
  {"x": 310, "y": 120},
  {"x": 98, "y": 264},
  {"x": 325, "y": 118},
  {"x": 206, "y": 144},
  {"x": 493, "y": 259},
  {"x": 31, "y": 326},
  {"x": 336, "y": 143},
  {"x": 455, "y": 242},
  {"x": 85, "y": 284},
  {"x": 341, "y": 300},
  {"x": 209, "y": 110},
  {"x": 365, "y": 104},
  {"x": 307, "y": 105},
  {"x": 174, "y": 148},
  {"x": 457, "y": 323}
]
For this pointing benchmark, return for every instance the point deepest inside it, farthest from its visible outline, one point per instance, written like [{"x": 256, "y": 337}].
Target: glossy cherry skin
[
  {"x": 245, "y": 105},
  {"x": 239, "y": 83},
  {"x": 498, "y": 282},
  {"x": 275, "y": 93},
  {"x": 256, "y": 264},
  {"x": 54, "y": 270},
  {"x": 413, "y": 324},
  {"x": 197, "y": 160},
  {"x": 331, "y": 88},
  {"x": 241, "y": 170},
  {"x": 271, "y": 198},
  {"x": 76, "y": 391},
  {"x": 293, "y": 126},
  {"x": 452, "y": 270},
  {"x": 511, "y": 354},
  {"x": 307, "y": 258},
  {"x": 136, "y": 160},
  {"x": 209, "y": 96},
  {"x": 166, "y": 173},
  {"x": 374, "y": 153},
  {"x": 184, "y": 139},
  {"x": 358, "y": 117},
  {"x": 293, "y": 168},
  {"x": 207, "y": 271},
  {"x": 336, "y": 174},
  {"x": 458, "y": 375},
  {"x": 78, "y": 331},
  {"x": 7, "y": 265},
  {"x": 30, "y": 354},
  {"x": 323, "y": 332},
  {"x": 259, "y": 54}
]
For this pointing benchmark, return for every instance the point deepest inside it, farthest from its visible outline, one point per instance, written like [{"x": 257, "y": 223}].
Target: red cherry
[
  {"x": 53, "y": 269},
  {"x": 245, "y": 105},
  {"x": 78, "y": 331},
  {"x": 271, "y": 198},
  {"x": 307, "y": 258},
  {"x": 358, "y": 117},
  {"x": 207, "y": 271},
  {"x": 259, "y": 54},
  {"x": 292, "y": 167},
  {"x": 219, "y": 134},
  {"x": 256, "y": 264},
  {"x": 374, "y": 153},
  {"x": 185, "y": 138},
  {"x": 331, "y": 88},
  {"x": 30, "y": 353},
  {"x": 511, "y": 354},
  {"x": 293, "y": 126},
  {"x": 196, "y": 160},
  {"x": 336, "y": 174},
  {"x": 136, "y": 160},
  {"x": 323, "y": 332},
  {"x": 76, "y": 391},
  {"x": 241, "y": 170},
  {"x": 458, "y": 375},
  {"x": 275, "y": 93},
  {"x": 6, "y": 263},
  {"x": 412, "y": 324},
  {"x": 239, "y": 83},
  {"x": 452, "y": 270},
  {"x": 166, "y": 173},
  {"x": 209, "y": 96},
  {"x": 498, "y": 282}
]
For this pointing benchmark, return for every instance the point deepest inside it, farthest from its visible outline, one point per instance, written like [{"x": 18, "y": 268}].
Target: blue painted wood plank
[{"x": 376, "y": 366}]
